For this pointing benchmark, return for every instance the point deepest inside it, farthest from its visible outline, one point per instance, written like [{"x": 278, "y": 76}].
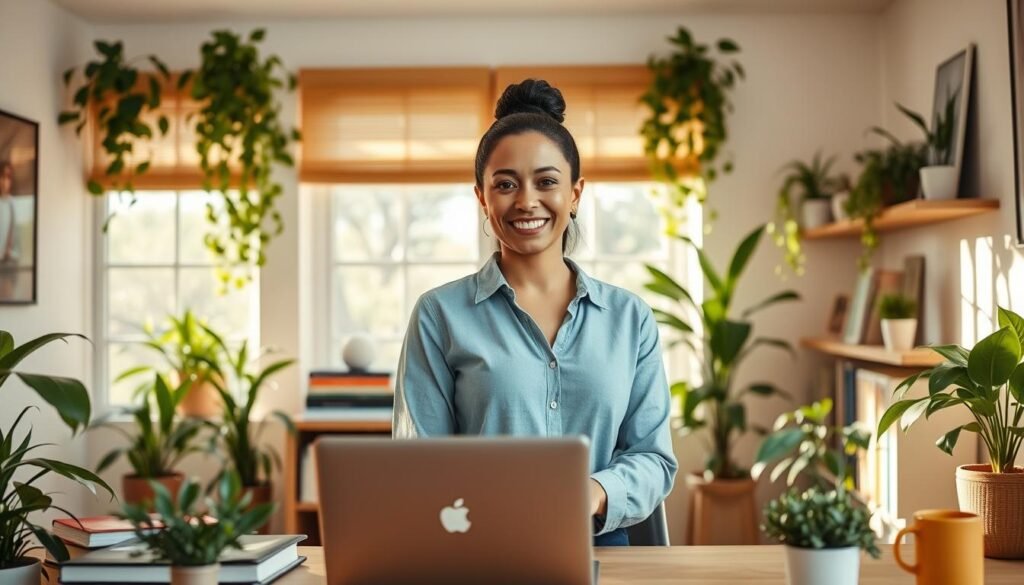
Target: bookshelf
[
  {"x": 301, "y": 517},
  {"x": 917, "y": 212},
  {"x": 921, "y": 358}
]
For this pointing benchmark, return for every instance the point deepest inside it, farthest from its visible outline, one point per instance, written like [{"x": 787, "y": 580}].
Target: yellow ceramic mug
[{"x": 950, "y": 548}]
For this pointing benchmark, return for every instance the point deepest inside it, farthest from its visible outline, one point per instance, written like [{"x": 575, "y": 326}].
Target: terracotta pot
[
  {"x": 999, "y": 499},
  {"x": 206, "y": 575},
  {"x": 261, "y": 494},
  {"x": 29, "y": 572},
  {"x": 201, "y": 400},
  {"x": 136, "y": 490},
  {"x": 722, "y": 511}
]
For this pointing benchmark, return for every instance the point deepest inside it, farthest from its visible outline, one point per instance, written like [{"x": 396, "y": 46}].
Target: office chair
[{"x": 651, "y": 532}]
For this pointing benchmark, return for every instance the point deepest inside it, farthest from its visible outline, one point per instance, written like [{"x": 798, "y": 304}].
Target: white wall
[{"x": 37, "y": 43}]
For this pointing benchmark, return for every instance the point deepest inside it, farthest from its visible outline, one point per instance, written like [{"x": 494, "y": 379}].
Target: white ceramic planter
[
  {"x": 899, "y": 334},
  {"x": 206, "y": 575},
  {"x": 28, "y": 574},
  {"x": 815, "y": 213},
  {"x": 828, "y": 566},
  {"x": 939, "y": 182},
  {"x": 839, "y": 205}
]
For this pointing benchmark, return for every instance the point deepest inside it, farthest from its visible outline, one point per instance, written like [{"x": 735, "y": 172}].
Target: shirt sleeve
[
  {"x": 424, "y": 384},
  {"x": 642, "y": 471}
]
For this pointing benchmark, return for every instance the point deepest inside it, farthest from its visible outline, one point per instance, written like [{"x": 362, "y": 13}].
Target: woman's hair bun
[{"x": 534, "y": 96}]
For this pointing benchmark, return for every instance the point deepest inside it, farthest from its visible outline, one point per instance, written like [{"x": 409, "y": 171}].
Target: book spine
[{"x": 346, "y": 401}]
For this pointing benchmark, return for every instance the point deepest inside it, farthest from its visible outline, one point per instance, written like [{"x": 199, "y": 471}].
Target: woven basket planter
[{"x": 999, "y": 499}]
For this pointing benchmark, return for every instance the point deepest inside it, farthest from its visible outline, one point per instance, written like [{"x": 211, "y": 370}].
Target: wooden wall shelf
[
  {"x": 913, "y": 213},
  {"x": 876, "y": 354}
]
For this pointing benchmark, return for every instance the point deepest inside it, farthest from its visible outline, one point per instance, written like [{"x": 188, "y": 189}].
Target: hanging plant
[
  {"x": 111, "y": 89},
  {"x": 240, "y": 137},
  {"x": 686, "y": 130}
]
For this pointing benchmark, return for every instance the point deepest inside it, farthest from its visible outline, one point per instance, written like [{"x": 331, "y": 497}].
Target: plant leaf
[
  {"x": 994, "y": 358},
  {"x": 788, "y": 295},
  {"x": 67, "y": 395},
  {"x": 1014, "y": 321},
  {"x": 893, "y": 414},
  {"x": 778, "y": 444}
]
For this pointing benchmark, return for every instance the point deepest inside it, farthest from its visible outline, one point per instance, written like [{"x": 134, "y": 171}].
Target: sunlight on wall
[{"x": 987, "y": 277}]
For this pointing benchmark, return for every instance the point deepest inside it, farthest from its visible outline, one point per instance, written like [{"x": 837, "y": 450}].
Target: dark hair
[{"x": 532, "y": 105}]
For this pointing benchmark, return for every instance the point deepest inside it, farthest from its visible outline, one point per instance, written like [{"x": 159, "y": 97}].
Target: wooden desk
[{"x": 704, "y": 565}]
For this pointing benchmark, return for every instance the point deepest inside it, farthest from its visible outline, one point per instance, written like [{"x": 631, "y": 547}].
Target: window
[{"x": 153, "y": 264}]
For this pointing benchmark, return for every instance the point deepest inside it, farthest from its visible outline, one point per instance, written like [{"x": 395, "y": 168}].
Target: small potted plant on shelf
[
  {"x": 717, "y": 405},
  {"x": 188, "y": 351},
  {"x": 191, "y": 540},
  {"x": 987, "y": 380},
  {"x": 237, "y": 437},
  {"x": 825, "y": 526},
  {"x": 812, "y": 186},
  {"x": 155, "y": 447},
  {"x": 938, "y": 177},
  {"x": 22, "y": 470},
  {"x": 899, "y": 321}
]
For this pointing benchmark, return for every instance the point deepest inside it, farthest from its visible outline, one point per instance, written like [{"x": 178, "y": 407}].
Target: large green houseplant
[
  {"x": 686, "y": 129},
  {"x": 21, "y": 470},
  {"x": 155, "y": 444},
  {"x": 987, "y": 380}
]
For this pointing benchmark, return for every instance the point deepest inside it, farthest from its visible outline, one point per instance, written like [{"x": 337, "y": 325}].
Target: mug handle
[{"x": 896, "y": 549}]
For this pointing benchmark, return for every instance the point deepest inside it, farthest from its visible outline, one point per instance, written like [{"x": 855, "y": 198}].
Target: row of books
[
  {"x": 104, "y": 549},
  {"x": 348, "y": 389},
  {"x": 863, "y": 324}
]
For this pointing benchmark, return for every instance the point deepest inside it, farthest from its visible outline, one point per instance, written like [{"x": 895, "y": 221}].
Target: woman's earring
[
  {"x": 486, "y": 221},
  {"x": 572, "y": 214}
]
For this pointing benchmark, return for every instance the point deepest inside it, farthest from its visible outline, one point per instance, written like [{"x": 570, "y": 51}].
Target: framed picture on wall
[
  {"x": 19, "y": 187},
  {"x": 1016, "y": 30}
]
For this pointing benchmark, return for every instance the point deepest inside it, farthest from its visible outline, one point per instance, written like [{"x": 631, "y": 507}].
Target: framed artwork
[
  {"x": 19, "y": 187},
  {"x": 837, "y": 318},
  {"x": 1016, "y": 30},
  {"x": 953, "y": 82}
]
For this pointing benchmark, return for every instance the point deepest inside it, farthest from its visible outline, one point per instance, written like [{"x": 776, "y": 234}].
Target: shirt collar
[{"x": 490, "y": 280}]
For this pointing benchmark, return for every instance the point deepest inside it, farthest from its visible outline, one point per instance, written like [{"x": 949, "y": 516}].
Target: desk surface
[{"x": 690, "y": 565}]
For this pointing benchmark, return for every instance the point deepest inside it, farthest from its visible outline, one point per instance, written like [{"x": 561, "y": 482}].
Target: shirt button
[
  {"x": 553, "y": 405},
  {"x": 552, "y": 366}
]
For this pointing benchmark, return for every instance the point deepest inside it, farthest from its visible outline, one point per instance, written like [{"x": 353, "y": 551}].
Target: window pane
[
  {"x": 194, "y": 226},
  {"x": 443, "y": 223},
  {"x": 424, "y": 278},
  {"x": 143, "y": 232},
  {"x": 138, "y": 295},
  {"x": 367, "y": 223},
  {"x": 227, "y": 314},
  {"x": 368, "y": 300},
  {"x": 627, "y": 221},
  {"x": 121, "y": 357}
]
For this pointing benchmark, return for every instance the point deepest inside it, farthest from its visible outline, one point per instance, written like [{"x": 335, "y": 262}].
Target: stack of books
[
  {"x": 339, "y": 389},
  {"x": 90, "y": 533}
]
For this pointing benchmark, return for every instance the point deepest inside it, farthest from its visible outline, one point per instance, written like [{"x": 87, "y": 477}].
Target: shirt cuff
[{"x": 615, "y": 509}]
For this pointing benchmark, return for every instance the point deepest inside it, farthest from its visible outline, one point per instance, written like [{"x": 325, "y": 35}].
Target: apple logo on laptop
[{"x": 454, "y": 519}]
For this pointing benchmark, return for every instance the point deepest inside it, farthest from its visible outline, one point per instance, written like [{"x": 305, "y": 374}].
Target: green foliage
[
  {"x": 939, "y": 140},
  {"x": 155, "y": 447},
  {"x": 20, "y": 498},
  {"x": 689, "y": 104},
  {"x": 237, "y": 438},
  {"x": 122, "y": 107},
  {"x": 803, "y": 182},
  {"x": 239, "y": 128},
  {"x": 726, "y": 341},
  {"x": 988, "y": 380},
  {"x": 189, "y": 537},
  {"x": 184, "y": 345},
  {"x": 888, "y": 176},
  {"x": 897, "y": 306},
  {"x": 820, "y": 519}
]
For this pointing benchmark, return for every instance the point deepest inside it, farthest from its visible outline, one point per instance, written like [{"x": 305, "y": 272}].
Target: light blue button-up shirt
[{"x": 475, "y": 363}]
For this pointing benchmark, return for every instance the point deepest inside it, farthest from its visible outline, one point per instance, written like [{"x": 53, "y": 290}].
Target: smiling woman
[{"x": 531, "y": 345}]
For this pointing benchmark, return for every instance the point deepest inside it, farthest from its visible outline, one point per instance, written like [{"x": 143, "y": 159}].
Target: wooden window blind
[
  {"x": 392, "y": 125},
  {"x": 603, "y": 113}
]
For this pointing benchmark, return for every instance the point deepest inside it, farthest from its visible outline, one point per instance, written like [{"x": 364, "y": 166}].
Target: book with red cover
[{"x": 95, "y": 532}]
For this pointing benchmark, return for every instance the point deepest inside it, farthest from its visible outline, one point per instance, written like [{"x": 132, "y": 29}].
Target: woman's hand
[{"x": 598, "y": 499}]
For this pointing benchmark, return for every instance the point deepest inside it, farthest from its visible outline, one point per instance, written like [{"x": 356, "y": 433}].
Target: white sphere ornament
[{"x": 359, "y": 352}]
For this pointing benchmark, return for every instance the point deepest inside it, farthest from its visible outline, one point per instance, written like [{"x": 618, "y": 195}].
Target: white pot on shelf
[
  {"x": 898, "y": 334},
  {"x": 827, "y": 566},
  {"x": 815, "y": 213},
  {"x": 839, "y": 205},
  {"x": 939, "y": 182}
]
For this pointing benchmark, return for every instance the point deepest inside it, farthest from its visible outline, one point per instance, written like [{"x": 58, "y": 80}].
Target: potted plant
[
  {"x": 812, "y": 186},
  {"x": 237, "y": 440},
  {"x": 188, "y": 350},
  {"x": 22, "y": 471},
  {"x": 825, "y": 526},
  {"x": 726, "y": 340},
  {"x": 191, "y": 540},
  {"x": 688, "y": 98},
  {"x": 155, "y": 447},
  {"x": 899, "y": 321},
  {"x": 939, "y": 177},
  {"x": 987, "y": 380}
]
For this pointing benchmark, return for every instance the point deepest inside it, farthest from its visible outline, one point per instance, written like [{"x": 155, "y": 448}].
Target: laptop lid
[{"x": 461, "y": 510}]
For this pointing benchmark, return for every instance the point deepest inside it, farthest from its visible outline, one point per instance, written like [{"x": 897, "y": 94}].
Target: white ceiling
[{"x": 155, "y": 11}]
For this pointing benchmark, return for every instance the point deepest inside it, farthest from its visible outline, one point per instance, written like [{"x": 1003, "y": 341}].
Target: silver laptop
[{"x": 455, "y": 511}]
